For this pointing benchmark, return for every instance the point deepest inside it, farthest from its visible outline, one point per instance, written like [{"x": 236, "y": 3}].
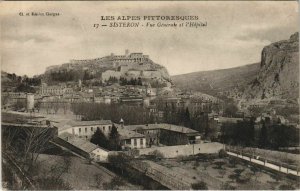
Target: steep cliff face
[{"x": 278, "y": 76}]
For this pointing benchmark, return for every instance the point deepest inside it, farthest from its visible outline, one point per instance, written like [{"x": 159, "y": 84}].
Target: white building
[
  {"x": 131, "y": 139},
  {"x": 85, "y": 129}
]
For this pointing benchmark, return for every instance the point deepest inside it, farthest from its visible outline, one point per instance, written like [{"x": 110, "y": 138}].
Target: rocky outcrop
[{"x": 278, "y": 76}]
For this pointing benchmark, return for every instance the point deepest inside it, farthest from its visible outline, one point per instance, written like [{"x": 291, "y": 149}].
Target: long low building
[
  {"x": 84, "y": 129},
  {"x": 84, "y": 147},
  {"x": 167, "y": 134}
]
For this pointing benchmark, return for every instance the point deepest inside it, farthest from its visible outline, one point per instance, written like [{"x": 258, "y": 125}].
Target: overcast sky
[{"x": 235, "y": 35}]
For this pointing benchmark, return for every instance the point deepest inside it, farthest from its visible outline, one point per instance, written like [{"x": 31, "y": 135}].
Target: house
[
  {"x": 131, "y": 139},
  {"x": 84, "y": 147}
]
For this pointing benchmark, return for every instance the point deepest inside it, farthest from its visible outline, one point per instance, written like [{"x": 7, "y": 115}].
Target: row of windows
[
  {"x": 135, "y": 142},
  {"x": 92, "y": 129}
]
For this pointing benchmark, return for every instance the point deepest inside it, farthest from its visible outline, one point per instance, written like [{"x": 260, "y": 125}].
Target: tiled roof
[
  {"x": 87, "y": 123},
  {"x": 165, "y": 126},
  {"x": 128, "y": 134},
  {"x": 79, "y": 143}
]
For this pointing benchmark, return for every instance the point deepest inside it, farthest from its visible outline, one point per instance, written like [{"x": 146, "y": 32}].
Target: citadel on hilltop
[
  {"x": 128, "y": 66},
  {"x": 117, "y": 60}
]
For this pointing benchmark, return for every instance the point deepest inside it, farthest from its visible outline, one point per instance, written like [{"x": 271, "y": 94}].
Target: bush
[
  {"x": 222, "y": 153},
  {"x": 227, "y": 186},
  {"x": 233, "y": 162},
  {"x": 219, "y": 164},
  {"x": 199, "y": 186}
]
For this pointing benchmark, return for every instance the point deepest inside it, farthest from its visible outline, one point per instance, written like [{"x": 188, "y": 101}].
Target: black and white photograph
[{"x": 150, "y": 95}]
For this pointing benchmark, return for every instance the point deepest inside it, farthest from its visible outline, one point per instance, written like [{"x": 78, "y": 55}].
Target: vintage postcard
[{"x": 150, "y": 95}]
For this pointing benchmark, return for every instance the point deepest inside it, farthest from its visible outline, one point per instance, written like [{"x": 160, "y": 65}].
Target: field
[{"x": 229, "y": 173}]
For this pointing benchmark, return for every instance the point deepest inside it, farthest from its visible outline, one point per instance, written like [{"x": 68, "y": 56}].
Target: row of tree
[
  {"x": 132, "y": 81},
  {"x": 95, "y": 111},
  {"x": 269, "y": 136}
]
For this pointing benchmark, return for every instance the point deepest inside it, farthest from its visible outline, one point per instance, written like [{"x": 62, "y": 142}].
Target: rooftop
[
  {"x": 128, "y": 134},
  {"x": 74, "y": 123},
  {"x": 165, "y": 126},
  {"x": 229, "y": 120},
  {"x": 78, "y": 142}
]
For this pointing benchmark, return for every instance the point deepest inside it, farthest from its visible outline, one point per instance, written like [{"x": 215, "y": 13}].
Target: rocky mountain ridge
[
  {"x": 218, "y": 81},
  {"x": 278, "y": 77},
  {"x": 275, "y": 77}
]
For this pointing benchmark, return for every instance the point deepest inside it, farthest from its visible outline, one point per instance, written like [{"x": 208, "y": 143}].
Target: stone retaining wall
[{"x": 184, "y": 150}]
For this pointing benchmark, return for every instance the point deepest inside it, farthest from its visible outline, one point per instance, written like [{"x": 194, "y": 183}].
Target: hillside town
[{"x": 122, "y": 113}]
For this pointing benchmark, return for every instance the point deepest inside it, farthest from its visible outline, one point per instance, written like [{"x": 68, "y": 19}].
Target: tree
[
  {"x": 119, "y": 161},
  {"x": 114, "y": 139},
  {"x": 186, "y": 118},
  {"x": 98, "y": 138},
  {"x": 263, "y": 138},
  {"x": 230, "y": 110},
  {"x": 256, "y": 172},
  {"x": 32, "y": 142}
]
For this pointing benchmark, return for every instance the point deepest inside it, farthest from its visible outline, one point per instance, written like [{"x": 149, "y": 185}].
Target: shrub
[
  {"x": 222, "y": 153},
  {"x": 227, "y": 186},
  {"x": 199, "y": 186},
  {"x": 233, "y": 162},
  {"x": 219, "y": 164}
]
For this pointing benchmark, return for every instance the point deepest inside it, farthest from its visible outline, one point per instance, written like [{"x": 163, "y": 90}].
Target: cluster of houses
[{"x": 77, "y": 134}]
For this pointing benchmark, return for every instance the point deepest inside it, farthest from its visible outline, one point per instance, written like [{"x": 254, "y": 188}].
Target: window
[
  {"x": 79, "y": 130},
  {"x": 142, "y": 142},
  {"x": 86, "y": 129},
  {"x": 103, "y": 128},
  {"x": 92, "y": 129},
  {"x": 135, "y": 142}
]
